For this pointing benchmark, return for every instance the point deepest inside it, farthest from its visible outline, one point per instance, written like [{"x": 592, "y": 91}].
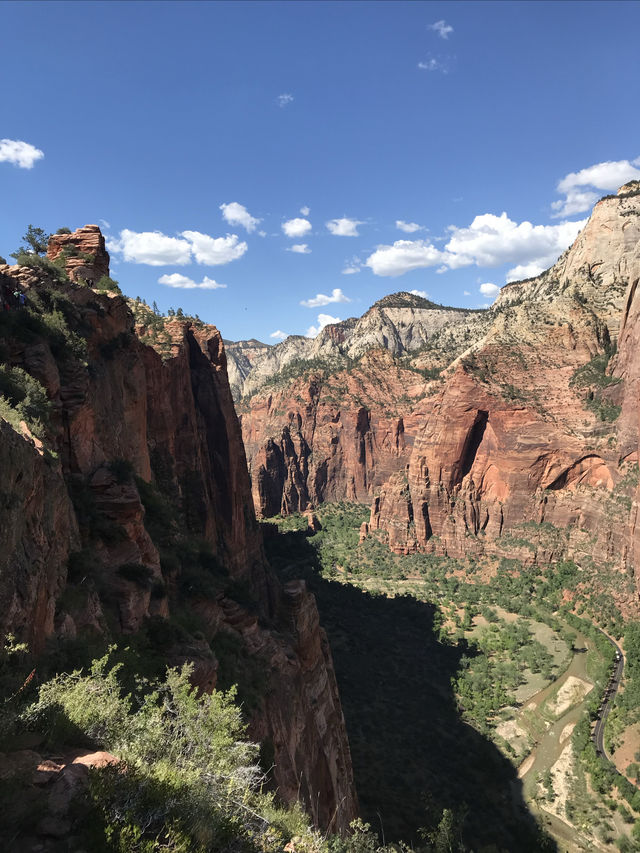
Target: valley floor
[{"x": 471, "y": 688}]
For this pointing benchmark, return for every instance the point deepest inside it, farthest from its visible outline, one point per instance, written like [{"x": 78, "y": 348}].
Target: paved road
[{"x": 610, "y": 694}]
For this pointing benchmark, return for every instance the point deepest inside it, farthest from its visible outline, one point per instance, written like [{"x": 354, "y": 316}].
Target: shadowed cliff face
[
  {"x": 532, "y": 443},
  {"x": 134, "y": 504},
  {"x": 328, "y": 437}
]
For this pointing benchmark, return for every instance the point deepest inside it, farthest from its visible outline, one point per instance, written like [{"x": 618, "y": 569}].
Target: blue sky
[{"x": 315, "y": 152}]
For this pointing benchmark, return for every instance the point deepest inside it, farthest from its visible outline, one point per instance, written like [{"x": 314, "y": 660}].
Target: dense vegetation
[{"x": 421, "y": 642}]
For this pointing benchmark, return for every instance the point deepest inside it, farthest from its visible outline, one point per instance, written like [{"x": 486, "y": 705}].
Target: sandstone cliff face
[
  {"x": 332, "y": 417},
  {"x": 241, "y": 358},
  {"x": 72, "y": 515},
  {"x": 525, "y": 449},
  {"x": 332, "y": 437}
]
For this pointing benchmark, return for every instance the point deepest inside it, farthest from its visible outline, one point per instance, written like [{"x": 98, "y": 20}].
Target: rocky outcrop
[
  {"x": 135, "y": 502},
  {"x": 331, "y": 437},
  {"x": 526, "y": 450},
  {"x": 84, "y": 253}
]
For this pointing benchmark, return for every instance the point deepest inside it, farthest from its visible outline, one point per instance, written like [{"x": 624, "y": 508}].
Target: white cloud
[
  {"x": 300, "y": 249},
  {"x": 157, "y": 249},
  {"x": 442, "y": 28},
  {"x": 433, "y": 64},
  {"x": 279, "y": 335},
  {"x": 151, "y": 247},
  {"x": 344, "y": 227},
  {"x": 408, "y": 227},
  {"x": 577, "y": 187},
  {"x": 466, "y": 293},
  {"x": 422, "y": 293},
  {"x": 215, "y": 250},
  {"x": 352, "y": 267},
  {"x": 305, "y": 211},
  {"x": 403, "y": 256},
  {"x": 19, "y": 153},
  {"x": 323, "y": 320},
  {"x": 106, "y": 225},
  {"x": 524, "y": 271},
  {"x": 237, "y": 214},
  {"x": 489, "y": 289},
  {"x": 296, "y": 227},
  {"x": 491, "y": 241},
  {"x": 177, "y": 280},
  {"x": 284, "y": 100},
  {"x": 321, "y": 299}
]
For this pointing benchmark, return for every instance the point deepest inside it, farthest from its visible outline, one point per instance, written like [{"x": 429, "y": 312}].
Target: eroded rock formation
[
  {"x": 136, "y": 497},
  {"x": 332, "y": 437},
  {"x": 532, "y": 443}
]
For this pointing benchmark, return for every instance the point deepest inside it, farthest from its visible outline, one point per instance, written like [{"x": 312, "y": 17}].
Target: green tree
[{"x": 36, "y": 240}]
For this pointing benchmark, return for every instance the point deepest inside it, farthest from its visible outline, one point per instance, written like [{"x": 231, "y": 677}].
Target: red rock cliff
[
  {"x": 532, "y": 442},
  {"x": 332, "y": 437},
  {"x": 72, "y": 514}
]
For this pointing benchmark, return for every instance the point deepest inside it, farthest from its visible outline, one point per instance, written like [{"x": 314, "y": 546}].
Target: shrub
[
  {"x": 108, "y": 284},
  {"x": 187, "y": 779},
  {"x": 27, "y": 396},
  {"x": 63, "y": 230},
  {"x": 28, "y": 259}
]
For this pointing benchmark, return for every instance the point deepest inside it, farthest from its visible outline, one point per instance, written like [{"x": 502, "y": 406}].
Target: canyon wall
[
  {"x": 127, "y": 500},
  {"x": 332, "y": 417},
  {"x": 531, "y": 447},
  {"x": 332, "y": 437}
]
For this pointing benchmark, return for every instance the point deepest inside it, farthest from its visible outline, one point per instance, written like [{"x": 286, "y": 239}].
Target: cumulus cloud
[
  {"x": 213, "y": 251},
  {"x": 491, "y": 241},
  {"x": 19, "y": 153},
  {"x": 177, "y": 280},
  {"x": 321, "y": 299},
  {"x": 408, "y": 227},
  {"x": 279, "y": 335},
  {"x": 151, "y": 247},
  {"x": 525, "y": 271},
  {"x": 344, "y": 227},
  {"x": 284, "y": 100},
  {"x": 237, "y": 214},
  {"x": 305, "y": 211},
  {"x": 296, "y": 227},
  {"x": 422, "y": 293},
  {"x": 404, "y": 256},
  {"x": 489, "y": 289},
  {"x": 300, "y": 249},
  {"x": 157, "y": 249},
  {"x": 579, "y": 187},
  {"x": 323, "y": 320},
  {"x": 442, "y": 28}
]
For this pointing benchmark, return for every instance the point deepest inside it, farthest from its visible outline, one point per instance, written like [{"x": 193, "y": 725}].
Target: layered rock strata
[
  {"x": 532, "y": 443},
  {"x": 331, "y": 437},
  {"x": 73, "y": 519}
]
